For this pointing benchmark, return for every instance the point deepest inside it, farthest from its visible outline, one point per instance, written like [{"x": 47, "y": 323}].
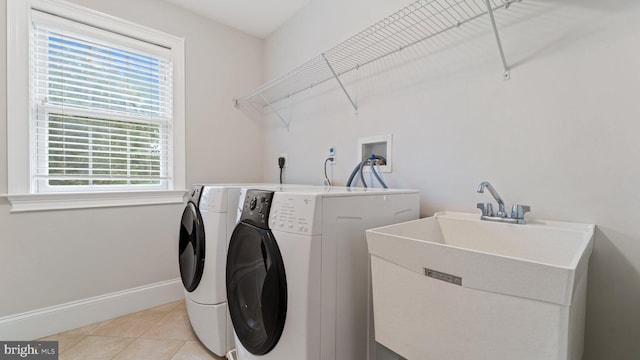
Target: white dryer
[
  {"x": 207, "y": 222},
  {"x": 298, "y": 275}
]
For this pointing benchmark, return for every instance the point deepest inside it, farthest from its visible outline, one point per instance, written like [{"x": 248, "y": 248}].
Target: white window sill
[{"x": 60, "y": 201}]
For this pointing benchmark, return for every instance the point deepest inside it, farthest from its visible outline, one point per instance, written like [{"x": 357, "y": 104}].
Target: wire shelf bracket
[
  {"x": 507, "y": 72},
  {"x": 237, "y": 104},
  {"x": 355, "y": 107},
  {"x": 275, "y": 111},
  {"x": 419, "y": 21}
]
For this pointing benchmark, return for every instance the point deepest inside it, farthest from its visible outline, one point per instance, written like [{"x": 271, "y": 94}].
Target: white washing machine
[
  {"x": 298, "y": 275},
  {"x": 207, "y": 222}
]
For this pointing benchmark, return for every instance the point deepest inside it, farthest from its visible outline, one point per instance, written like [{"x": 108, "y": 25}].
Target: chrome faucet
[
  {"x": 486, "y": 185},
  {"x": 517, "y": 211}
]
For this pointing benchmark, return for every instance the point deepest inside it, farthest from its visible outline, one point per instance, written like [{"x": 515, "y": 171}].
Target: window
[
  {"x": 105, "y": 104},
  {"x": 101, "y": 110}
]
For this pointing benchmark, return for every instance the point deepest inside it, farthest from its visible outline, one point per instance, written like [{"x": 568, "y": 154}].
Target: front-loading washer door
[
  {"x": 256, "y": 288},
  {"x": 191, "y": 247}
]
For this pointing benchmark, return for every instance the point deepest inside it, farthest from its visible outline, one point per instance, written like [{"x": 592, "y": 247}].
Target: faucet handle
[
  {"x": 518, "y": 211},
  {"x": 487, "y": 208}
]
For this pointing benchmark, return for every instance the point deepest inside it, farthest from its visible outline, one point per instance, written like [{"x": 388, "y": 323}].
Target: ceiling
[{"x": 255, "y": 17}]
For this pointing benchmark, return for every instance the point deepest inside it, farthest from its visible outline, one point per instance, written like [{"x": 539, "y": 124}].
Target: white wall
[
  {"x": 562, "y": 135},
  {"x": 55, "y": 257}
]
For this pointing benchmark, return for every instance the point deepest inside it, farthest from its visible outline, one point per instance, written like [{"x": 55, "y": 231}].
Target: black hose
[
  {"x": 325, "y": 171},
  {"x": 364, "y": 183},
  {"x": 353, "y": 174},
  {"x": 375, "y": 173}
]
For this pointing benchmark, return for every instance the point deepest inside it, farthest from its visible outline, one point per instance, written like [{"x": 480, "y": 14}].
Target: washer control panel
[
  {"x": 295, "y": 213},
  {"x": 256, "y": 207}
]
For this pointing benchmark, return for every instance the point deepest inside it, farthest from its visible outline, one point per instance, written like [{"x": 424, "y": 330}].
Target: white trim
[
  {"x": 107, "y": 35},
  {"x": 60, "y": 201},
  {"x": 178, "y": 162},
  {"x": 18, "y": 160},
  {"x": 18, "y": 108},
  {"x": 101, "y": 20},
  {"x": 55, "y": 319}
]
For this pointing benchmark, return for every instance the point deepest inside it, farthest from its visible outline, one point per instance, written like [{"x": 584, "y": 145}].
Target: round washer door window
[
  {"x": 191, "y": 247},
  {"x": 256, "y": 288}
]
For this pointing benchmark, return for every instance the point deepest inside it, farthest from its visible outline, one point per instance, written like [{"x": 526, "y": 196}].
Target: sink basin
[
  {"x": 539, "y": 260},
  {"x": 483, "y": 289}
]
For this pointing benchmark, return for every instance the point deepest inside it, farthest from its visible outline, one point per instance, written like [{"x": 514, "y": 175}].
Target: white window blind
[{"x": 101, "y": 109}]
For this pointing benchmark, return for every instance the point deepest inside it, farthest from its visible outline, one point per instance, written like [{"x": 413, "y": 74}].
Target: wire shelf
[{"x": 413, "y": 24}]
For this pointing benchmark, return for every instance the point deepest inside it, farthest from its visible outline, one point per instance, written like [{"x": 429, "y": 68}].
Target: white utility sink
[{"x": 454, "y": 287}]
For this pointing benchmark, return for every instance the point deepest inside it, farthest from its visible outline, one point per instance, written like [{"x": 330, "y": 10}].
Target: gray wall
[
  {"x": 562, "y": 135},
  {"x": 53, "y": 257}
]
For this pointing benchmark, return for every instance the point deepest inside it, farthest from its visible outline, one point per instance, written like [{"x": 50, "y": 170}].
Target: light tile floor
[{"x": 159, "y": 333}]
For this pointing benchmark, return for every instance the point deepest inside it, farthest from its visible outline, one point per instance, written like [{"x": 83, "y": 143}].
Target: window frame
[{"x": 20, "y": 157}]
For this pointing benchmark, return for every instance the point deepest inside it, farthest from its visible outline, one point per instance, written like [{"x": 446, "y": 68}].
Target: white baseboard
[{"x": 59, "y": 318}]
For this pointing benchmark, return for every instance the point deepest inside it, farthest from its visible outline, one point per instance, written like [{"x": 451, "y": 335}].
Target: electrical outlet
[
  {"x": 284, "y": 155},
  {"x": 332, "y": 154}
]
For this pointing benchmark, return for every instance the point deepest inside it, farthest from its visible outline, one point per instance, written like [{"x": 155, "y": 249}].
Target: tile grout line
[
  {"x": 76, "y": 344},
  {"x": 173, "y": 309},
  {"x": 178, "y": 350}
]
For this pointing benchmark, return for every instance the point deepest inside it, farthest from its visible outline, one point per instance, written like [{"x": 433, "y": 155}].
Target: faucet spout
[{"x": 501, "y": 209}]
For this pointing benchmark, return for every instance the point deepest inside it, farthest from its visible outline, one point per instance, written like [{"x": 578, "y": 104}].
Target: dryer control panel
[
  {"x": 256, "y": 207},
  {"x": 295, "y": 213},
  {"x": 214, "y": 199}
]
